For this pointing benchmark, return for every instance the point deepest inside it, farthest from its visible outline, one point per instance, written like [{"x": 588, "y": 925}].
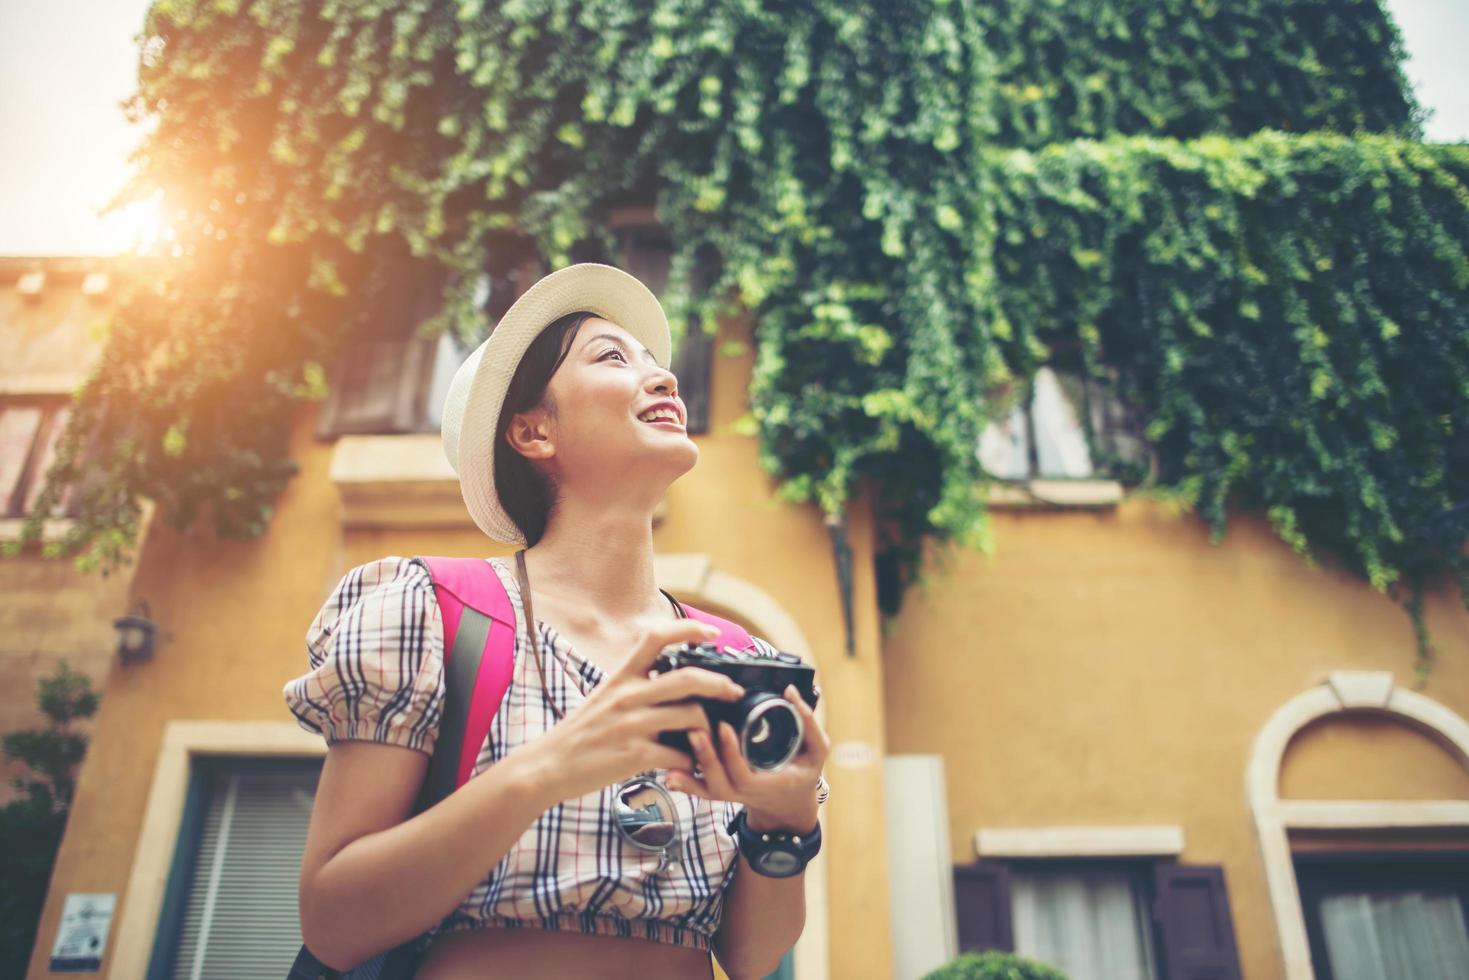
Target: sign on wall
[{"x": 82, "y": 937}]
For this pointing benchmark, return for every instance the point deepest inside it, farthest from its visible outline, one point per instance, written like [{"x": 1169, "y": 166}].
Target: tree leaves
[{"x": 919, "y": 201}]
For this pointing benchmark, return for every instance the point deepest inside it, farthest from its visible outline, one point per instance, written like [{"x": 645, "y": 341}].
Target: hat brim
[{"x": 604, "y": 290}]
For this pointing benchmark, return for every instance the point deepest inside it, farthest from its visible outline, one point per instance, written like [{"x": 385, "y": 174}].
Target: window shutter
[
  {"x": 693, "y": 366},
  {"x": 19, "y": 426},
  {"x": 1194, "y": 925},
  {"x": 381, "y": 377},
  {"x": 241, "y": 915},
  {"x": 982, "y": 905}
]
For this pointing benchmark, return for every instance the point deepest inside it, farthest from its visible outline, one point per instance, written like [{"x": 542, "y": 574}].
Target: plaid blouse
[{"x": 376, "y": 652}]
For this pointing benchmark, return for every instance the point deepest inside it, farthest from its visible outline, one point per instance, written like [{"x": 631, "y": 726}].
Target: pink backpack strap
[
  {"x": 731, "y": 634},
  {"x": 460, "y": 582}
]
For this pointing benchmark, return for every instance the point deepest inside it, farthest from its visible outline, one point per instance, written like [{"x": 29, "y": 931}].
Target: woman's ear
[{"x": 529, "y": 434}]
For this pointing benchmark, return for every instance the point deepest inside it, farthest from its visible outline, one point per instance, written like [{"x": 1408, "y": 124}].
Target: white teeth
[{"x": 659, "y": 414}]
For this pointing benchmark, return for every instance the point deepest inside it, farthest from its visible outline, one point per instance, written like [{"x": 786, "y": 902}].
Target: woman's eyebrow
[{"x": 619, "y": 342}]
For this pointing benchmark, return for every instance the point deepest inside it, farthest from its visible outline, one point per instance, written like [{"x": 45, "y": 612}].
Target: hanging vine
[{"x": 917, "y": 200}]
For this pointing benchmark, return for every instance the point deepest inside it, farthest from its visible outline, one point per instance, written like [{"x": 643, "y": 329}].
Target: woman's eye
[{"x": 614, "y": 351}]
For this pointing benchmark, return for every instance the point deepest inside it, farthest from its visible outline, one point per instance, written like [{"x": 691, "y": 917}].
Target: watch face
[{"x": 779, "y": 864}]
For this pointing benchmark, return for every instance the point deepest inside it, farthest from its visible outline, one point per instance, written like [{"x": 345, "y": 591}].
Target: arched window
[{"x": 1388, "y": 913}]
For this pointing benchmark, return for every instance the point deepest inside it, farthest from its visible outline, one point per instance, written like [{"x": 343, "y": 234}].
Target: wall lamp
[{"x": 135, "y": 634}]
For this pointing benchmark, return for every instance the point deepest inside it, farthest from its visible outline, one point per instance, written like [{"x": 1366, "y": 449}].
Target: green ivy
[{"x": 905, "y": 195}]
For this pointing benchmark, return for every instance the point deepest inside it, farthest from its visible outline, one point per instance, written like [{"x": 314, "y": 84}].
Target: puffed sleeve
[{"x": 376, "y": 657}]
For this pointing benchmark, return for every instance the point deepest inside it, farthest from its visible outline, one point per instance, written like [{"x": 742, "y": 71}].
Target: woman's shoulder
[
  {"x": 380, "y": 581},
  {"x": 375, "y": 658}
]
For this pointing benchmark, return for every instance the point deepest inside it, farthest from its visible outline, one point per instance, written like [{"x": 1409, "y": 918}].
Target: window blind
[{"x": 241, "y": 919}]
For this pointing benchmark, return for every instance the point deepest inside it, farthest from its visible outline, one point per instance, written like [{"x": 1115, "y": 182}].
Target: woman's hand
[
  {"x": 614, "y": 734},
  {"x": 784, "y": 800}
]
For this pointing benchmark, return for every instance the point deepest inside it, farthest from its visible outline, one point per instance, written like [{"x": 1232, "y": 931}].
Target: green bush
[
  {"x": 31, "y": 825},
  {"x": 994, "y": 965}
]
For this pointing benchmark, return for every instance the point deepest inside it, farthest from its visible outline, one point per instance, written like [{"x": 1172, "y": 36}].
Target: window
[
  {"x": 30, "y": 431},
  {"x": 1136, "y": 919},
  {"x": 382, "y": 378},
  {"x": 231, "y": 907},
  {"x": 1380, "y": 917},
  {"x": 1092, "y": 924},
  {"x": 1063, "y": 425},
  {"x": 388, "y": 379}
]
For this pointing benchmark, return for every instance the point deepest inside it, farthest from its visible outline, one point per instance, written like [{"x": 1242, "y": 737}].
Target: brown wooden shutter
[
  {"x": 982, "y": 905},
  {"x": 380, "y": 380},
  {"x": 693, "y": 366},
  {"x": 1195, "y": 930}
]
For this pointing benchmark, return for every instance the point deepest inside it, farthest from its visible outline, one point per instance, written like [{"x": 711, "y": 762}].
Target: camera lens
[{"x": 771, "y": 734}]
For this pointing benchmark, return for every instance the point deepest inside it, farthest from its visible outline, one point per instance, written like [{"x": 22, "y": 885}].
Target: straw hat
[{"x": 472, "y": 407}]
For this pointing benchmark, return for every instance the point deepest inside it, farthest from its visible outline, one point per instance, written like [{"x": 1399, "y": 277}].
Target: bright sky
[{"x": 65, "y": 65}]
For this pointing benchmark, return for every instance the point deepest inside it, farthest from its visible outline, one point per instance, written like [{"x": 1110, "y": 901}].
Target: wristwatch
[{"x": 775, "y": 853}]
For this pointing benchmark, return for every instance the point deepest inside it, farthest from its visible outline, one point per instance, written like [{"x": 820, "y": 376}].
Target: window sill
[
  {"x": 399, "y": 481},
  {"x": 57, "y": 528},
  {"x": 1055, "y": 494},
  {"x": 53, "y": 530},
  {"x": 404, "y": 481},
  {"x": 1072, "y": 842}
]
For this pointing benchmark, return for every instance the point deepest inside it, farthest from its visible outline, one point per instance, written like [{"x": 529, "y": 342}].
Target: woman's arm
[
  {"x": 373, "y": 877},
  {"x": 763, "y": 917},
  {"x": 370, "y": 878}
]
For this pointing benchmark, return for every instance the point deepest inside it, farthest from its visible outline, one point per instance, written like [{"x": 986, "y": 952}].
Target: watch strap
[{"x": 755, "y": 844}]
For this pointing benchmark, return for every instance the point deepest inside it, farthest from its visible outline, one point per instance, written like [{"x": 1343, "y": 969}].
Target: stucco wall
[
  {"x": 237, "y": 612},
  {"x": 51, "y": 614},
  {"x": 1114, "y": 668}
]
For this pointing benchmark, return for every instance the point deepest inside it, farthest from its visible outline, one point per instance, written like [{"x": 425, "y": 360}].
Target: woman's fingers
[
  {"x": 685, "y": 683},
  {"x": 640, "y": 661},
  {"x": 684, "y": 781},
  {"x": 716, "y": 783},
  {"x": 671, "y": 718},
  {"x": 736, "y": 769},
  {"x": 674, "y": 760},
  {"x": 815, "y": 741}
]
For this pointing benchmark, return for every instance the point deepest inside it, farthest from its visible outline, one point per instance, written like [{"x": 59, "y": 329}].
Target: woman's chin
[{"x": 673, "y": 441}]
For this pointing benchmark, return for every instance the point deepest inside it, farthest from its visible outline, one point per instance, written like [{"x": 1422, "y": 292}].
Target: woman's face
[{"x": 615, "y": 415}]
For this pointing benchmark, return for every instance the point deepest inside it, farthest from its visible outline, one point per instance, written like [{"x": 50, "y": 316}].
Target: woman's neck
[{"x": 602, "y": 556}]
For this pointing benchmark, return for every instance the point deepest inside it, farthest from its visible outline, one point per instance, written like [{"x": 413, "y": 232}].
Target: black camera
[{"x": 768, "y": 726}]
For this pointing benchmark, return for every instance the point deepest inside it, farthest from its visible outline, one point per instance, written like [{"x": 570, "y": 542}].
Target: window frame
[
  {"x": 1101, "y": 401},
  {"x": 632, "y": 229},
  {"x": 204, "y": 772},
  {"x": 1320, "y": 874},
  {"x": 1175, "y": 959},
  {"x": 31, "y": 477},
  {"x": 1139, "y": 870}
]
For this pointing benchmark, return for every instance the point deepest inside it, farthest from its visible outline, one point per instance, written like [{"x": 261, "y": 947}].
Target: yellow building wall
[
  {"x": 1114, "y": 668},
  {"x": 236, "y": 614},
  {"x": 49, "y": 612}
]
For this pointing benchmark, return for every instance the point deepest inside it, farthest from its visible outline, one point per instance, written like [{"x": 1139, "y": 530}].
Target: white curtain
[
  {"x": 1092, "y": 926},
  {"x": 1389, "y": 935},
  {"x": 1060, "y": 441}
]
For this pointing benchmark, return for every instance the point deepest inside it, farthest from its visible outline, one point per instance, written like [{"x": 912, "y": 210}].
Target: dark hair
[{"x": 525, "y": 492}]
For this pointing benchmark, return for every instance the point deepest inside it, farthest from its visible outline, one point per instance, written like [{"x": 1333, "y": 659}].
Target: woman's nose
[{"x": 662, "y": 381}]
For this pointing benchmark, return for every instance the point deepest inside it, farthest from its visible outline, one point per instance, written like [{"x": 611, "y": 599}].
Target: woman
[{"x": 566, "y": 429}]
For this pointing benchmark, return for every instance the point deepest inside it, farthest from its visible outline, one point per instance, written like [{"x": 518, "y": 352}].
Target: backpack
[{"x": 479, "y": 661}]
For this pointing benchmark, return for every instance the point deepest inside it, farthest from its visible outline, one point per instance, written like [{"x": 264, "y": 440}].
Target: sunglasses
[{"x": 647, "y": 819}]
